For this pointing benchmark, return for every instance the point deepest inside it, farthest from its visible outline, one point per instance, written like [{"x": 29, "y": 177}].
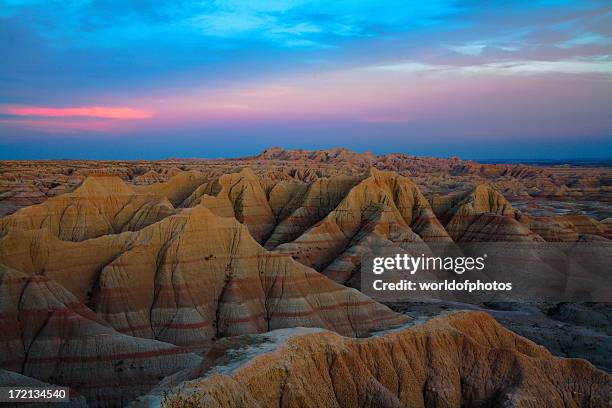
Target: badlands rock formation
[
  {"x": 329, "y": 224},
  {"x": 49, "y": 335},
  {"x": 104, "y": 204},
  {"x": 192, "y": 278},
  {"x": 114, "y": 274},
  {"x": 484, "y": 215},
  {"x": 240, "y": 195},
  {"x": 187, "y": 280},
  {"x": 462, "y": 359},
  {"x": 326, "y": 224},
  {"x": 541, "y": 189},
  {"x": 382, "y": 209}
]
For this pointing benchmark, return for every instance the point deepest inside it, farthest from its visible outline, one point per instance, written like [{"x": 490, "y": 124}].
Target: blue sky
[{"x": 152, "y": 79}]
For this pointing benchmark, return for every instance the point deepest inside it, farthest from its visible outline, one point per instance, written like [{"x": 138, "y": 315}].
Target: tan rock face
[
  {"x": 191, "y": 278},
  {"x": 567, "y": 228},
  {"x": 101, "y": 205},
  {"x": 249, "y": 201},
  {"x": 329, "y": 223},
  {"x": 463, "y": 359},
  {"x": 187, "y": 279},
  {"x": 240, "y": 195},
  {"x": 104, "y": 204},
  {"x": 178, "y": 187},
  {"x": 382, "y": 209},
  {"x": 150, "y": 177},
  {"x": 484, "y": 215},
  {"x": 48, "y": 334}
]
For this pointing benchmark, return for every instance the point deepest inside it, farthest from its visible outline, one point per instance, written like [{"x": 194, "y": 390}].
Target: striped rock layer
[
  {"x": 281, "y": 212},
  {"x": 103, "y": 205},
  {"x": 328, "y": 223},
  {"x": 382, "y": 210},
  {"x": 484, "y": 215},
  {"x": 237, "y": 195},
  {"x": 458, "y": 360},
  {"x": 567, "y": 228},
  {"x": 24, "y": 183},
  {"x": 110, "y": 273},
  {"x": 191, "y": 278},
  {"x": 49, "y": 335}
]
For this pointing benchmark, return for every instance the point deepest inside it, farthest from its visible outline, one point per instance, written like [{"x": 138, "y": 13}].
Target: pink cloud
[{"x": 82, "y": 111}]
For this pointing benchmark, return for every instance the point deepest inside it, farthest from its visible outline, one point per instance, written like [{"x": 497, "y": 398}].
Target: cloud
[
  {"x": 410, "y": 67},
  {"x": 574, "y": 66},
  {"x": 83, "y": 111},
  {"x": 468, "y": 49},
  {"x": 232, "y": 25},
  {"x": 477, "y": 49},
  {"x": 585, "y": 39},
  {"x": 226, "y": 24},
  {"x": 592, "y": 65},
  {"x": 278, "y": 23}
]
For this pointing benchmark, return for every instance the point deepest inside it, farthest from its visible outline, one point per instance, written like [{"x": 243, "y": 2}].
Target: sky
[{"x": 135, "y": 79}]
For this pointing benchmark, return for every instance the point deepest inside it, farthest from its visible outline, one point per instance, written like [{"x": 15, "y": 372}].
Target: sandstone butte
[
  {"x": 382, "y": 209},
  {"x": 457, "y": 360},
  {"x": 186, "y": 280},
  {"x": 326, "y": 224},
  {"x": 484, "y": 214}
]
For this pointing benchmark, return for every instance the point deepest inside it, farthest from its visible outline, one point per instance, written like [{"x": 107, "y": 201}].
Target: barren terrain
[{"x": 121, "y": 279}]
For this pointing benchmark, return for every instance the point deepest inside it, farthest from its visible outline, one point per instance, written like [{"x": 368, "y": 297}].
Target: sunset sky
[{"x": 156, "y": 79}]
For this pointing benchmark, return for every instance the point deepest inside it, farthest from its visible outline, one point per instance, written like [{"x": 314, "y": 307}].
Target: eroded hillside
[{"x": 461, "y": 359}]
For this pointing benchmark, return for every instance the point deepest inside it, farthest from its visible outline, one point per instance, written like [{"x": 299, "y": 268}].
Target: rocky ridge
[{"x": 461, "y": 359}]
